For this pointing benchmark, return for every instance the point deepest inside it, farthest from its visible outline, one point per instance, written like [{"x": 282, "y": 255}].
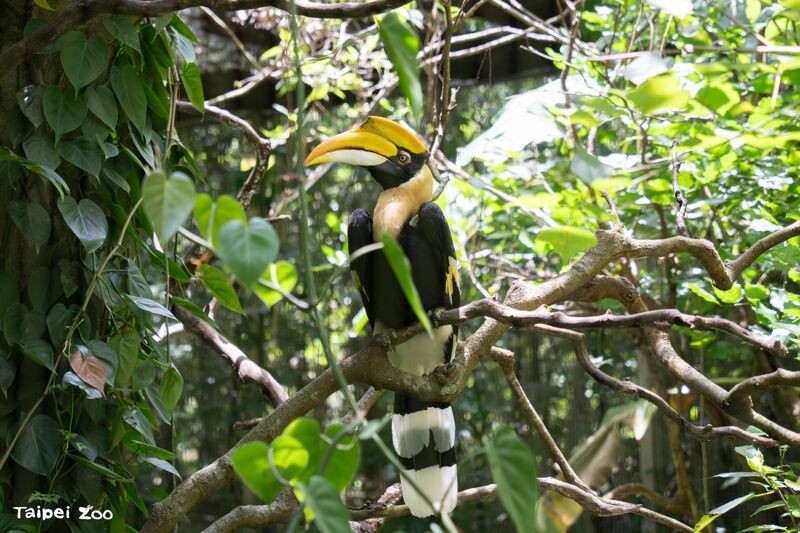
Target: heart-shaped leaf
[
  {"x": 39, "y": 445},
  {"x": 86, "y": 220},
  {"x": 167, "y": 201},
  {"x": 279, "y": 275},
  {"x": 123, "y": 30},
  {"x": 89, "y": 368},
  {"x": 130, "y": 93},
  {"x": 63, "y": 111},
  {"x": 32, "y": 219},
  {"x": 83, "y": 153},
  {"x": 101, "y": 102},
  {"x": 247, "y": 249},
  {"x": 217, "y": 283},
  {"x": 83, "y": 59},
  {"x": 39, "y": 149}
]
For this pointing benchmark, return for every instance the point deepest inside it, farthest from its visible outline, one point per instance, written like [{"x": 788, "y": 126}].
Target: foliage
[{"x": 121, "y": 216}]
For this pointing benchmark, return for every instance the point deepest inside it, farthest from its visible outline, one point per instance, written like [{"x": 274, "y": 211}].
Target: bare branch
[
  {"x": 80, "y": 12},
  {"x": 508, "y": 315},
  {"x": 505, "y": 359},
  {"x": 746, "y": 389},
  {"x": 245, "y": 368}
]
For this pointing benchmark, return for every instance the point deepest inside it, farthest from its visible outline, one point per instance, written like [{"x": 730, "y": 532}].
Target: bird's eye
[{"x": 403, "y": 158}]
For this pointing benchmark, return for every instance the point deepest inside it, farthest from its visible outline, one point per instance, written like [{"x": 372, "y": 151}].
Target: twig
[
  {"x": 230, "y": 33},
  {"x": 680, "y": 222},
  {"x": 505, "y": 359}
]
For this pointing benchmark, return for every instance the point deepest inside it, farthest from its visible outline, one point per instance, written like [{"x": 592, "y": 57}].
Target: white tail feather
[
  {"x": 411, "y": 432},
  {"x": 440, "y": 485}
]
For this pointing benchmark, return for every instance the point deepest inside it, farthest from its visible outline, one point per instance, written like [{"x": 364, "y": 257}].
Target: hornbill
[{"x": 423, "y": 433}]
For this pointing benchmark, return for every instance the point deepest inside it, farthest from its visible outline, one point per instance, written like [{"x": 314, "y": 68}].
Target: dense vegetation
[{"x": 178, "y": 323}]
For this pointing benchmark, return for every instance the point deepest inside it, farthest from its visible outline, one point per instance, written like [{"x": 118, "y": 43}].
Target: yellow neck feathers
[{"x": 398, "y": 205}]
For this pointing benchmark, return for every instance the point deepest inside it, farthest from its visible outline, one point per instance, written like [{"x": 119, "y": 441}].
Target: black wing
[
  {"x": 359, "y": 234},
  {"x": 429, "y": 246}
]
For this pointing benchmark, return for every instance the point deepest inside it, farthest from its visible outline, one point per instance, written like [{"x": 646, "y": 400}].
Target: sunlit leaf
[
  {"x": 219, "y": 285},
  {"x": 567, "y": 241},
  {"x": 402, "y": 47},
  {"x": 167, "y": 201},
  {"x": 659, "y": 94},
  {"x": 247, "y": 249},
  {"x": 330, "y": 514}
]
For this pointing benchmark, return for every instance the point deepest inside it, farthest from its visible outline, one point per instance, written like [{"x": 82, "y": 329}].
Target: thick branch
[
  {"x": 80, "y": 12},
  {"x": 755, "y": 384}
]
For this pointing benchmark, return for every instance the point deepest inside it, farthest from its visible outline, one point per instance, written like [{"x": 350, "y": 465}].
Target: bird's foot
[
  {"x": 387, "y": 338},
  {"x": 444, "y": 373},
  {"x": 434, "y": 314}
]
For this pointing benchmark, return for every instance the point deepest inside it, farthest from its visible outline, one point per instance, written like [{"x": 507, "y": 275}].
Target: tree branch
[
  {"x": 80, "y": 12},
  {"x": 245, "y": 368}
]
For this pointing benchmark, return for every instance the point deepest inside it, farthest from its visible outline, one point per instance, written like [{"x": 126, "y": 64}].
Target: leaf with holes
[
  {"x": 83, "y": 59},
  {"x": 247, "y": 249},
  {"x": 86, "y": 220},
  {"x": 167, "y": 201},
  {"x": 89, "y": 368},
  {"x": 32, "y": 219}
]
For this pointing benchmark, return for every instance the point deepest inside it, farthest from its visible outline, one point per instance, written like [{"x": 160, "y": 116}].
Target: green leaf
[
  {"x": 731, "y": 296},
  {"x": 659, "y": 94},
  {"x": 86, "y": 220},
  {"x": 83, "y": 153},
  {"x": 39, "y": 149},
  {"x": 32, "y": 219},
  {"x": 514, "y": 470},
  {"x": 225, "y": 209},
  {"x": 402, "y": 47},
  {"x": 45, "y": 172},
  {"x": 100, "y": 469},
  {"x": 251, "y": 462},
  {"x": 58, "y": 321},
  {"x": 167, "y": 202},
  {"x": 190, "y": 76},
  {"x": 101, "y": 102},
  {"x": 8, "y": 372},
  {"x": 567, "y": 241},
  {"x": 64, "y": 113},
  {"x": 218, "y": 284},
  {"x": 146, "y": 304},
  {"x": 38, "y": 351},
  {"x": 127, "y": 348},
  {"x": 29, "y": 100},
  {"x": 702, "y": 293},
  {"x": 39, "y": 445},
  {"x": 344, "y": 461},
  {"x": 163, "y": 465},
  {"x": 83, "y": 59},
  {"x": 21, "y": 325},
  {"x": 308, "y": 432},
  {"x": 183, "y": 45},
  {"x": 587, "y": 167},
  {"x": 171, "y": 388},
  {"x": 279, "y": 274},
  {"x": 203, "y": 211},
  {"x": 123, "y": 30},
  {"x": 129, "y": 90},
  {"x": 247, "y": 249},
  {"x": 402, "y": 270},
  {"x": 289, "y": 456},
  {"x": 718, "y": 97},
  {"x": 722, "y": 509},
  {"x": 146, "y": 450},
  {"x": 330, "y": 514}
]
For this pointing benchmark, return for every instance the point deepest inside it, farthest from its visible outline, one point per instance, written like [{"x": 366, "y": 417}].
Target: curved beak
[{"x": 358, "y": 147}]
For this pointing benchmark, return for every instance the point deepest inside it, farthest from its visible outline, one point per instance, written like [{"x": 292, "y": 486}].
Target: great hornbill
[{"x": 423, "y": 433}]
